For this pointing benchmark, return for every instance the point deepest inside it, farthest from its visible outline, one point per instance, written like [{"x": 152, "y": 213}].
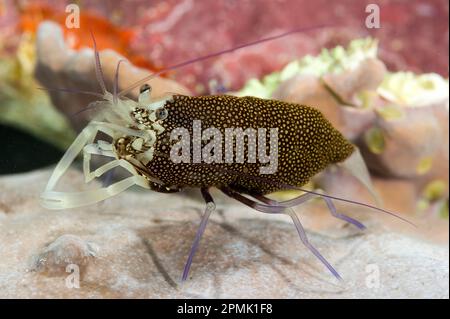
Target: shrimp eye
[
  {"x": 145, "y": 88},
  {"x": 161, "y": 113}
]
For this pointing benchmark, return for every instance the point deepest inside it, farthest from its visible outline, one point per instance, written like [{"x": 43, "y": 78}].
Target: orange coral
[{"x": 107, "y": 35}]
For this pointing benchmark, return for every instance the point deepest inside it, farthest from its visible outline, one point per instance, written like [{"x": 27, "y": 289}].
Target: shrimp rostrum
[{"x": 161, "y": 144}]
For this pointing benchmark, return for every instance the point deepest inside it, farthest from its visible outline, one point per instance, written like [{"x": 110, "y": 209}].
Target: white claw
[
  {"x": 116, "y": 121},
  {"x": 84, "y": 143}
]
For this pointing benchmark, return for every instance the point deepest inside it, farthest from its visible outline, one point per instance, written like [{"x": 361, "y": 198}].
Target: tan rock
[
  {"x": 64, "y": 251},
  {"x": 135, "y": 245}
]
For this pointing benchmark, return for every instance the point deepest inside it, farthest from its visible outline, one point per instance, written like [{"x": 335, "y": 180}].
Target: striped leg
[
  {"x": 210, "y": 207},
  {"x": 272, "y": 207}
]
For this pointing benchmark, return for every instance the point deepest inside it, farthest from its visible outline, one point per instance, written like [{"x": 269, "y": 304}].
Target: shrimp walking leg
[
  {"x": 305, "y": 197},
  {"x": 275, "y": 207},
  {"x": 210, "y": 207},
  {"x": 301, "y": 232}
]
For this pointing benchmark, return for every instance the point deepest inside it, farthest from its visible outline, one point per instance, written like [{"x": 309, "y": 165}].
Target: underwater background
[{"x": 385, "y": 88}]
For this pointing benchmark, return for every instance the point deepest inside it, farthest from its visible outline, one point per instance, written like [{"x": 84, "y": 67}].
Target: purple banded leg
[
  {"x": 346, "y": 218},
  {"x": 305, "y": 197},
  {"x": 268, "y": 209},
  {"x": 287, "y": 203},
  {"x": 301, "y": 232},
  {"x": 210, "y": 207},
  {"x": 275, "y": 207}
]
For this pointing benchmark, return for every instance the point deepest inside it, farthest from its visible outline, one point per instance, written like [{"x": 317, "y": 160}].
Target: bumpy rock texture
[{"x": 135, "y": 245}]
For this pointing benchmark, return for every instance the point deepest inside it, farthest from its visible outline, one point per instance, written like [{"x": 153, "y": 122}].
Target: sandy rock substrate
[{"x": 135, "y": 246}]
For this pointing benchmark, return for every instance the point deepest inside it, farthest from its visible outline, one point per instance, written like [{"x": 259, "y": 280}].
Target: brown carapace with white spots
[
  {"x": 141, "y": 143},
  {"x": 307, "y": 142}
]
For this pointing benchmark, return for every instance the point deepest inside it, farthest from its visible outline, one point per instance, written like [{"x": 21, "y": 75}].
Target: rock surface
[{"x": 135, "y": 245}]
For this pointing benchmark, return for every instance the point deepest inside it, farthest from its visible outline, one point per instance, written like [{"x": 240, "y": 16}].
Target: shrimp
[{"x": 144, "y": 142}]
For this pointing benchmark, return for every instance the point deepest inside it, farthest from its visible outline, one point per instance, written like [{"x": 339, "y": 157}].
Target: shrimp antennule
[
  {"x": 98, "y": 66},
  {"x": 117, "y": 95},
  {"x": 116, "y": 82},
  {"x": 74, "y": 91}
]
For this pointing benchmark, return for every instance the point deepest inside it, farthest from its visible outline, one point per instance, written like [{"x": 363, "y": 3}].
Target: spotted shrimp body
[{"x": 306, "y": 142}]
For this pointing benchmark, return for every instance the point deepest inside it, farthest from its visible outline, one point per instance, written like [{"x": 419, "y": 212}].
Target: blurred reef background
[{"x": 386, "y": 90}]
